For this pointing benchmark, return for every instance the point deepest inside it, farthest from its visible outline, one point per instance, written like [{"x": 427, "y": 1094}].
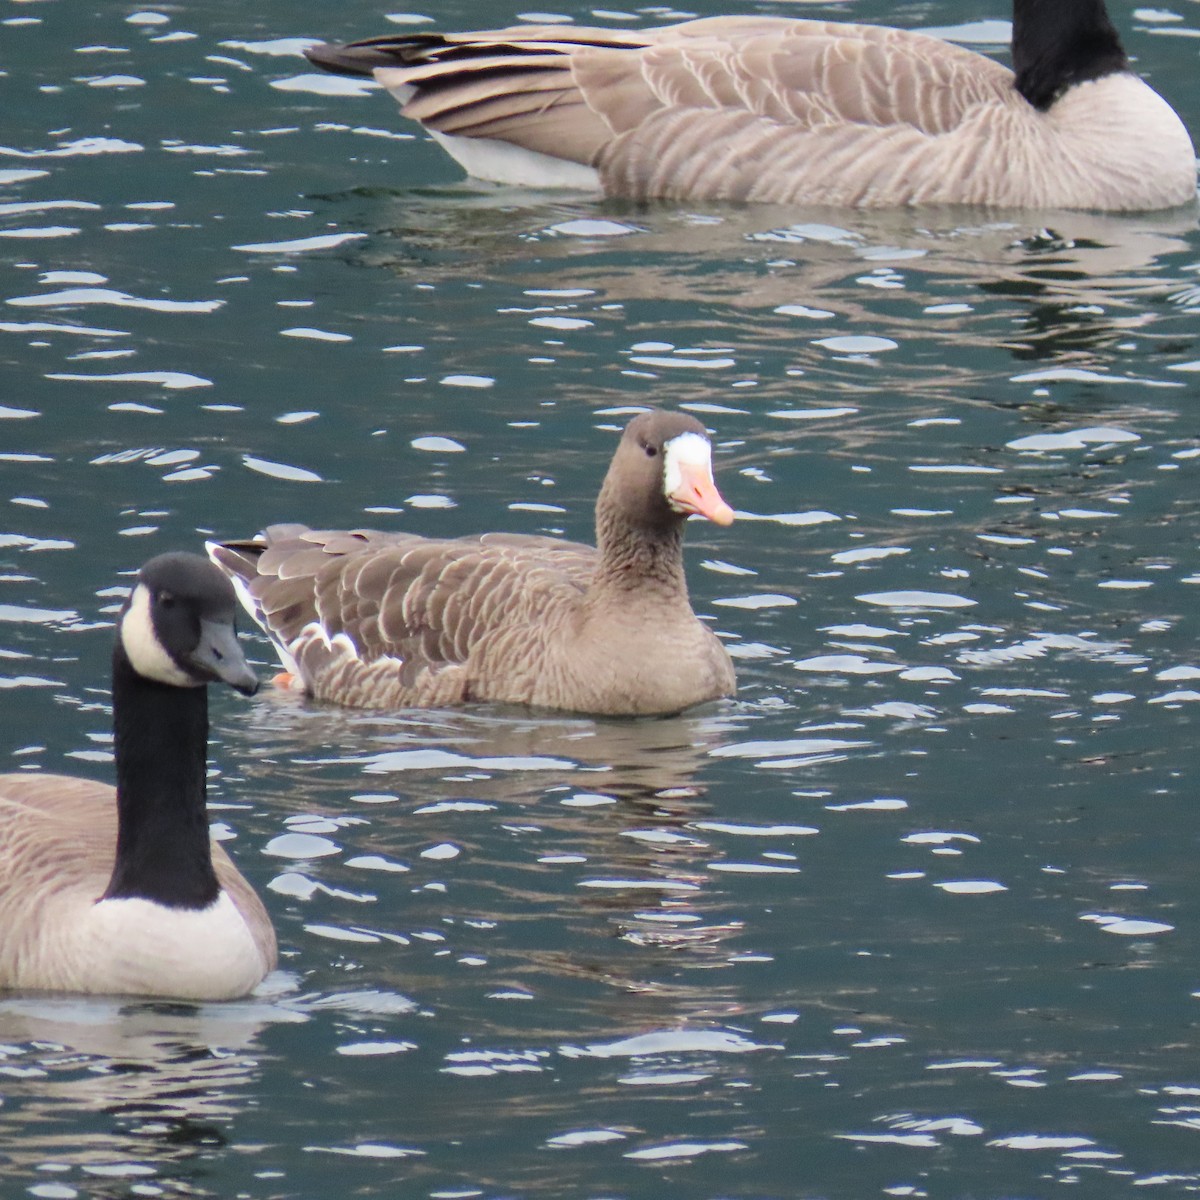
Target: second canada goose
[
  {"x": 390, "y": 620},
  {"x": 796, "y": 111},
  {"x": 123, "y": 892}
]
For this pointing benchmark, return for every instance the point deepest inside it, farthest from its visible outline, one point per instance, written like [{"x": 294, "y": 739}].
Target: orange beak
[{"x": 697, "y": 493}]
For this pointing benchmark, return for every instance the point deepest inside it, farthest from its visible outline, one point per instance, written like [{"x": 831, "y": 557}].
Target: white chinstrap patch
[
  {"x": 135, "y": 946},
  {"x": 146, "y": 653},
  {"x": 686, "y": 450}
]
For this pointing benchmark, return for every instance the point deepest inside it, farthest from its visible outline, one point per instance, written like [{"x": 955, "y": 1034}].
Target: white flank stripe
[{"x": 502, "y": 162}]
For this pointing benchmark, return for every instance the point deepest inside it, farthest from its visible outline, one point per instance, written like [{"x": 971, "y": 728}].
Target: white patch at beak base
[
  {"x": 688, "y": 479},
  {"x": 686, "y": 449},
  {"x": 142, "y": 647}
]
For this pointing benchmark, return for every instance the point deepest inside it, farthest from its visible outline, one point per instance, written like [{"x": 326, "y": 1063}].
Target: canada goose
[
  {"x": 382, "y": 620},
  {"x": 796, "y": 111},
  {"x": 121, "y": 892}
]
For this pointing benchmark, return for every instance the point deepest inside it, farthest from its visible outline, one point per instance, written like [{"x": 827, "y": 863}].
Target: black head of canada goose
[
  {"x": 388, "y": 620},
  {"x": 796, "y": 111},
  {"x": 123, "y": 892}
]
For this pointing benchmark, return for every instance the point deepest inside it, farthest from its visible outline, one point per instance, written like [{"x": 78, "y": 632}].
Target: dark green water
[{"x": 916, "y": 915}]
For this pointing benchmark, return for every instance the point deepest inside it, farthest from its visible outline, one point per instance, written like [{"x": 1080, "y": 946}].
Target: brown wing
[
  {"x": 711, "y": 107},
  {"x": 58, "y": 838},
  {"x": 381, "y": 619},
  {"x": 248, "y": 903}
]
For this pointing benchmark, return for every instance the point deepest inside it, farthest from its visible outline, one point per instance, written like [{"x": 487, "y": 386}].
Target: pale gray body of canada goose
[
  {"x": 123, "y": 892},
  {"x": 389, "y": 620},
  {"x": 796, "y": 111}
]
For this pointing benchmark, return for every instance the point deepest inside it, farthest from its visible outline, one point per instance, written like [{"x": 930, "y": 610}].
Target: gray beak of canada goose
[{"x": 219, "y": 654}]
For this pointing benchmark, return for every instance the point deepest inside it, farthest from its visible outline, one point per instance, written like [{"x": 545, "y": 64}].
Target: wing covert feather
[{"x": 427, "y": 604}]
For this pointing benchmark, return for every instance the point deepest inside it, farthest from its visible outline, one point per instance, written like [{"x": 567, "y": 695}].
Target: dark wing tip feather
[
  {"x": 351, "y": 58},
  {"x": 237, "y": 559},
  {"x": 363, "y": 56}
]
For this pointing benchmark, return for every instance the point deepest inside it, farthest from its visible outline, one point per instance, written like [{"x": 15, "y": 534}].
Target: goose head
[
  {"x": 662, "y": 473},
  {"x": 177, "y": 627}
]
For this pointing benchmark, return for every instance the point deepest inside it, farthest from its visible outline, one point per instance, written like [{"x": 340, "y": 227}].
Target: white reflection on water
[{"x": 76, "y": 296}]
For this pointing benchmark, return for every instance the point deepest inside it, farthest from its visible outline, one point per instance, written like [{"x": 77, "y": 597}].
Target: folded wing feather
[{"x": 393, "y": 618}]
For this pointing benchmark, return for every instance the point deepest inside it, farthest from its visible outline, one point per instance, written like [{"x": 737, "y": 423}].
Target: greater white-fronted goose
[
  {"x": 388, "y": 620},
  {"x": 796, "y": 111},
  {"x": 122, "y": 892}
]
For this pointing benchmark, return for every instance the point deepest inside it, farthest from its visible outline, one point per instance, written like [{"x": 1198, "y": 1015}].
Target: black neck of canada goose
[
  {"x": 1059, "y": 43},
  {"x": 160, "y": 746}
]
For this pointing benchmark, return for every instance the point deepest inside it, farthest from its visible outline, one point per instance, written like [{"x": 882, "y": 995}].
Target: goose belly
[
  {"x": 636, "y": 672},
  {"x": 137, "y": 947},
  {"x": 1122, "y": 146},
  {"x": 1112, "y": 145}
]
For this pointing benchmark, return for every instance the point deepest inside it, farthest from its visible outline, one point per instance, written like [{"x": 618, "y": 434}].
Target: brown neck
[{"x": 645, "y": 558}]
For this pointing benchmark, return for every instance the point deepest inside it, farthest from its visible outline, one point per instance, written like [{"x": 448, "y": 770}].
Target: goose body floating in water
[
  {"x": 388, "y": 620},
  {"x": 123, "y": 893},
  {"x": 796, "y": 111}
]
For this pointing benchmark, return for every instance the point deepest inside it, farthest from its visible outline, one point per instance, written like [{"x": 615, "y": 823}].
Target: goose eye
[
  {"x": 651, "y": 451},
  {"x": 166, "y": 599}
]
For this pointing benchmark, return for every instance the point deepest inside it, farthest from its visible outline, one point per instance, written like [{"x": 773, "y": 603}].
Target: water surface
[{"x": 915, "y": 915}]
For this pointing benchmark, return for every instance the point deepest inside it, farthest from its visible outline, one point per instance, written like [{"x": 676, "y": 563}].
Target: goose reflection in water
[
  {"x": 493, "y": 754},
  {"x": 164, "y": 1082},
  {"x": 763, "y": 256},
  {"x": 990, "y": 288},
  {"x": 612, "y": 810}
]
